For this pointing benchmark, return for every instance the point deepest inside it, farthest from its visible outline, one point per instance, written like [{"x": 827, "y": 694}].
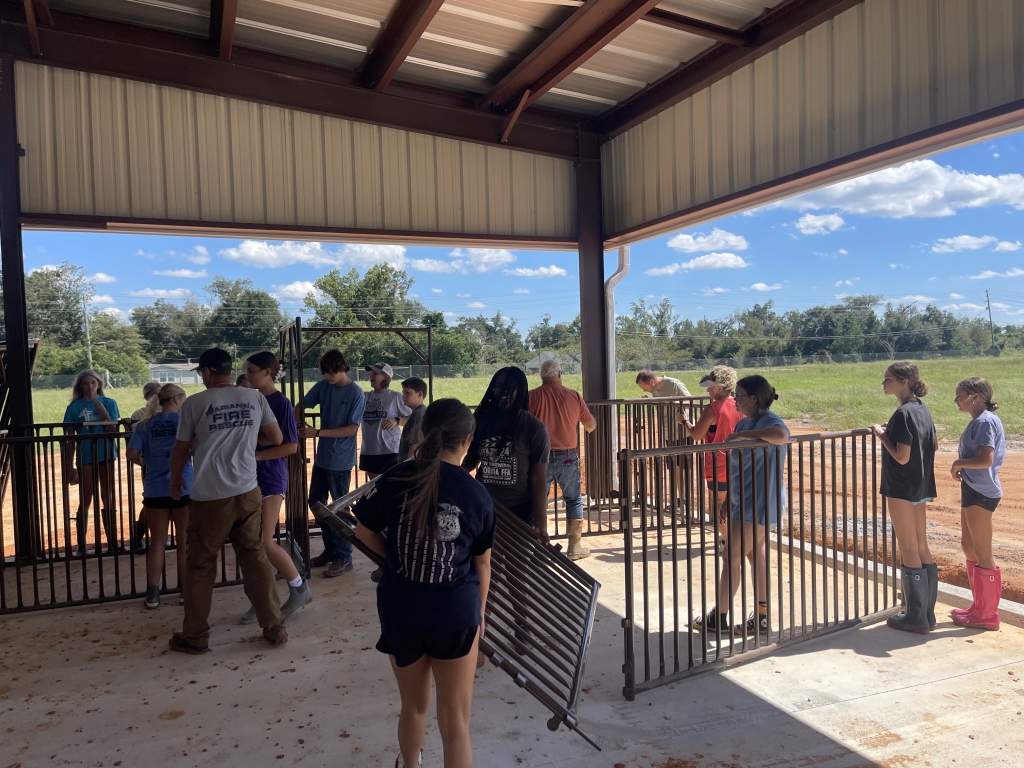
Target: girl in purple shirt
[{"x": 262, "y": 370}]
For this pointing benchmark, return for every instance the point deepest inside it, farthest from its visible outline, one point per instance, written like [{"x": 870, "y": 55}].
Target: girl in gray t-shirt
[{"x": 981, "y": 454}]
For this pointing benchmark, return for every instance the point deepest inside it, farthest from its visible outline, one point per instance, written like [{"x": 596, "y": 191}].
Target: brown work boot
[
  {"x": 276, "y": 635},
  {"x": 180, "y": 644},
  {"x": 574, "y": 530}
]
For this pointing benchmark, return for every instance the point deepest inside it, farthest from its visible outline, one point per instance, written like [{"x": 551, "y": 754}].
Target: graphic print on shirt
[
  {"x": 375, "y": 410},
  {"x": 426, "y": 561},
  {"x": 162, "y": 429},
  {"x": 230, "y": 416},
  {"x": 498, "y": 464}
]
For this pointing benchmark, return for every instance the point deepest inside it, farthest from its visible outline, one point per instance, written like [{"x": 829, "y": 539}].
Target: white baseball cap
[{"x": 382, "y": 368}]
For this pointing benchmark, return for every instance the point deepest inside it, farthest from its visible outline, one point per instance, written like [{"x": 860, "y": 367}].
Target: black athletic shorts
[
  {"x": 378, "y": 464},
  {"x": 437, "y": 643},
  {"x": 165, "y": 502},
  {"x": 971, "y": 498}
]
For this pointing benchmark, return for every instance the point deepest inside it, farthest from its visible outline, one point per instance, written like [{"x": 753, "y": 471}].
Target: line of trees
[{"x": 236, "y": 315}]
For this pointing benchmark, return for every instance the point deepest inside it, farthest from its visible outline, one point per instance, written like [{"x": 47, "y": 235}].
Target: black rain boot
[
  {"x": 915, "y": 586},
  {"x": 933, "y": 592}
]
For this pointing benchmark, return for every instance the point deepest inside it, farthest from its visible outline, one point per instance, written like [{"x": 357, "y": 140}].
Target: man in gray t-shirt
[{"x": 223, "y": 425}]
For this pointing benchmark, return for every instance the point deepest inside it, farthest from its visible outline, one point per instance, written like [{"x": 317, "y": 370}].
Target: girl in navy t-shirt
[
  {"x": 982, "y": 450},
  {"x": 150, "y": 446},
  {"x": 439, "y": 524},
  {"x": 908, "y": 484}
]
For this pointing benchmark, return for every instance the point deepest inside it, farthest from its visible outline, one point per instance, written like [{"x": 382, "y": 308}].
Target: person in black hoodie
[{"x": 908, "y": 484}]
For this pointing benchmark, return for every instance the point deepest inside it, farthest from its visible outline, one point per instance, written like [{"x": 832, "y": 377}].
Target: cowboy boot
[
  {"x": 988, "y": 591},
  {"x": 915, "y": 619},
  {"x": 933, "y": 592},
  {"x": 971, "y": 565},
  {"x": 574, "y": 530}
]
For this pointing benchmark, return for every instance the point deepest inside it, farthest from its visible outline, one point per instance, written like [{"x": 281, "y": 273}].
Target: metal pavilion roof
[{"x": 589, "y": 61}]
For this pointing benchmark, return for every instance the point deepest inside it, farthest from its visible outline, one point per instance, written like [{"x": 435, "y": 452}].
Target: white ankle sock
[{"x": 296, "y": 582}]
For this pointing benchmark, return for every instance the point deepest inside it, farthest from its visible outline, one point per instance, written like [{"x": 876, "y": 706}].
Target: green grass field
[{"x": 824, "y": 396}]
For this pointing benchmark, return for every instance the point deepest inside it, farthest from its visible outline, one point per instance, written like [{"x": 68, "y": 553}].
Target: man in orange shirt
[{"x": 560, "y": 410}]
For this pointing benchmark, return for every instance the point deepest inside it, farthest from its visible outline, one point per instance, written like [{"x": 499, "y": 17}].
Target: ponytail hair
[
  {"x": 446, "y": 424},
  {"x": 757, "y": 387},
  {"x": 976, "y": 385},
  {"x": 908, "y": 372}
]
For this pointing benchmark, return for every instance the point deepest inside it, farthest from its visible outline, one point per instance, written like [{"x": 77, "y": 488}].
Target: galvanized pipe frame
[{"x": 845, "y": 580}]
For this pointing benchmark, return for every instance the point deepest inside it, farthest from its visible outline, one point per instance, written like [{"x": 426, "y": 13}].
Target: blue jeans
[
  {"x": 564, "y": 469},
  {"x": 336, "y": 482}
]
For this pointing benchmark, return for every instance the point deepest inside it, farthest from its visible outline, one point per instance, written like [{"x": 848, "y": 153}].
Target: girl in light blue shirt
[{"x": 981, "y": 454}]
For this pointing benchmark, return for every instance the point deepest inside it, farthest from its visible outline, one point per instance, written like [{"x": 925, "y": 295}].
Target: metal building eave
[
  {"x": 984, "y": 125},
  {"x": 141, "y": 226}
]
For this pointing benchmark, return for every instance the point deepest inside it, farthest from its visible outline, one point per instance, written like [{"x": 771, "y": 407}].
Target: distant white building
[{"x": 174, "y": 373}]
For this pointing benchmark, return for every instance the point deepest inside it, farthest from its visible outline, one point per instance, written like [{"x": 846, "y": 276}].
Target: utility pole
[
  {"x": 88, "y": 337},
  {"x": 991, "y": 327}
]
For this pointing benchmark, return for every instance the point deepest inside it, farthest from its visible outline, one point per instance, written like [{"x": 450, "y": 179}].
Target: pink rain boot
[
  {"x": 989, "y": 588},
  {"x": 971, "y": 565}
]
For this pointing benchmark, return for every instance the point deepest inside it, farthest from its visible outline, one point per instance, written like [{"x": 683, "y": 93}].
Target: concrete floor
[{"x": 97, "y": 687}]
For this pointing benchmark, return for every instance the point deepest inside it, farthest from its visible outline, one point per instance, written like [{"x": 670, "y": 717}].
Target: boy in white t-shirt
[{"x": 383, "y": 417}]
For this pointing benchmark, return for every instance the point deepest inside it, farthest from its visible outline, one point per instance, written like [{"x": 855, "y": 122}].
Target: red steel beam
[
  {"x": 582, "y": 35},
  {"x": 407, "y": 24},
  {"x": 222, "y": 27},
  {"x": 33, "y": 28},
  {"x": 88, "y": 44},
  {"x": 696, "y": 27},
  {"x": 770, "y": 32},
  {"x": 43, "y": 12}
]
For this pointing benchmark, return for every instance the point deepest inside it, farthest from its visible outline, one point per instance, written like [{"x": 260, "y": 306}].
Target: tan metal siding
[
  {"x": 104, "y": 146},
  {"x": 881, "y": 71}
]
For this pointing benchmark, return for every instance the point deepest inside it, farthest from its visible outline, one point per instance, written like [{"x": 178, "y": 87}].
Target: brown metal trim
[
  {"x": 43, "y": 12},
  {"x": 32, "y": 27},
  {"x": 406, "y": 25},
  {"x": 515, "y": 115},
  {"x": 111, "y": 48},
  {"x": 285, "y": 231},
  {"x": 998, "y": 120},
  {"x": 696, "y": 27},
  {"x": 222, "y": 27},
  {"x": 594, "y": 336},
  {"x": 768, "y": 34}
]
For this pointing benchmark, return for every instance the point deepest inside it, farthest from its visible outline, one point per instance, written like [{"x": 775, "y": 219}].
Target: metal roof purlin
[
  {"x": 222, "y": 27},
  {"x": 406, "y": 25}
]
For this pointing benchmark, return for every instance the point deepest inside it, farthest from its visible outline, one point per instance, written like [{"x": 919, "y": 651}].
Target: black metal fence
[{"x": 823, "y": 558}]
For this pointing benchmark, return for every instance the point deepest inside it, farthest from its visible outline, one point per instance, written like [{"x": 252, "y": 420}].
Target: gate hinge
[{"x": 626, "y": 623}]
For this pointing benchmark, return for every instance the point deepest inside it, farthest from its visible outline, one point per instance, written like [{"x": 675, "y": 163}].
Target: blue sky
[{"x": 941, "y": 230}]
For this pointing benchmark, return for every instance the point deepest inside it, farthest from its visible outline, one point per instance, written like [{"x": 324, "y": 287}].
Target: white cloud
[
  {"x": 842, "y": 251},
  {"x": 199, "y": 255},
  {"x": 552, "y": 271},
  {"x": 161, "y": 293},
  {"x": 102, "y": 277},
  {"x": 261, "y": 254},
  {"x": 185, "y": 273},
  {"x": 920, "y": 188},
  {"x": 476, "y": 305},
  {"x": 719, "y": 239},
  {"x": 963, "y": 308},
  {"x": 709, "y": 261},
  {"x": 917, "y": 299},
  {"x": 101, "y": 298},
  {"x": 145, "y": 254},
  {"x": 1000, "y": 305},
  {"x": 295, "y": 291},
  {"x": 1006, "y": 245},
  {"x": 898, "y": 266},
  {"x": 961, "y": 243},
  {"x": 120, "y": 314},
  {"x": 955, "y": 296},
  {"x": 463, "y": 295},
  {"x": 481, "y": 259},
  {"x": 988, "y": 273},
  {"x": 436, "y": 290},
  {"x": 712, "y": 291},
  {"x": 851, "y": 281},
  {"x": 811, "y": 224},
  {"x": 44, "y": 268},
  {"x": 766, "y": 287},
  {"x": 520, "y": 291},
  {"x": 433, "y": 265}
]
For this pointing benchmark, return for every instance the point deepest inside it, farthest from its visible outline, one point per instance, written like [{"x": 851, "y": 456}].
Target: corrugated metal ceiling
[{"x": 468, "y": 46}]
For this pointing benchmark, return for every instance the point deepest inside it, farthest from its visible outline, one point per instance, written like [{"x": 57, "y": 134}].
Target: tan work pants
[{"x": 239, "y": 519}]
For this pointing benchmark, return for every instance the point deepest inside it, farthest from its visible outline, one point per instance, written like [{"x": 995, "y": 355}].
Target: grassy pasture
[{"x": 825, "y": 396}]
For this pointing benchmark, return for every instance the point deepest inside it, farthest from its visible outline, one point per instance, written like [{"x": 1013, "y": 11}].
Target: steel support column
[
  {"x": 594, "y": 341},
  {"x": 18, "y": 407}
]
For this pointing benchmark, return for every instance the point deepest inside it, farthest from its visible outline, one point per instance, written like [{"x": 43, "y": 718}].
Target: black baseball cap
[{"x": 216, "y": 359}]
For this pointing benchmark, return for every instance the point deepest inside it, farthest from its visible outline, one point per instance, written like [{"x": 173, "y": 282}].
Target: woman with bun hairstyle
[
  {"x": 908, "y": 484},
  {"x": 261, "y": 372},
  {"x": 715, "y": 424},
  {"x": 981, "y": 454},
  {"x": 433, "y": 523},
  {"x": 755, "y": 504},
  {"x": 150, "y": 447},
  {"x": 93, "y": 460}
]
